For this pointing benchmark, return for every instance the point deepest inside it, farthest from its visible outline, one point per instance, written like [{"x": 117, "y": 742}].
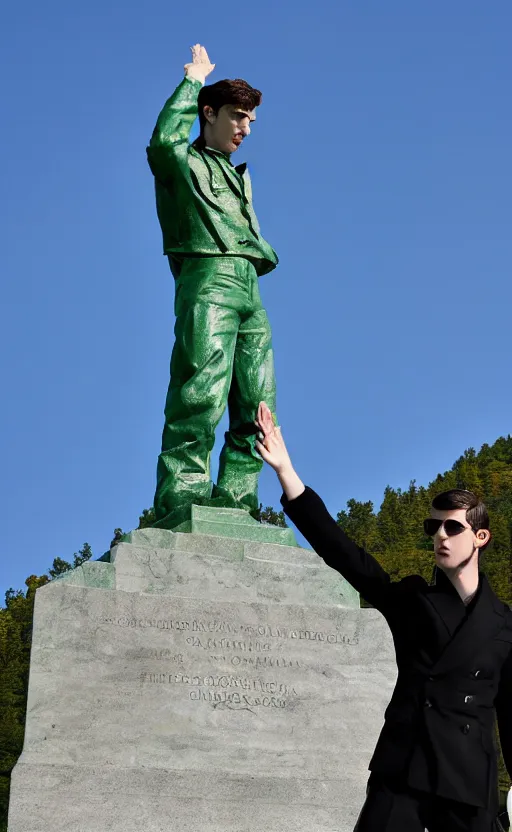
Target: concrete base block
[{"x": 209, "y": 683}]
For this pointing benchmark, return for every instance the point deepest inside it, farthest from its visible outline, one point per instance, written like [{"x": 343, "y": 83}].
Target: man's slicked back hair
[
  {"x": 457, "y": 498},
  {"x": 237, "y": 93}
]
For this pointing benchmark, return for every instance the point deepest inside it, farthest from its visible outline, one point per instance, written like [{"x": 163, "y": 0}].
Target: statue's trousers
[{"x": 222, "y": 356}]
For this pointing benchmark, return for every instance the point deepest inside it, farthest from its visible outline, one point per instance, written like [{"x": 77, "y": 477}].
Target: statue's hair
[{"x": 236, "y": 92}]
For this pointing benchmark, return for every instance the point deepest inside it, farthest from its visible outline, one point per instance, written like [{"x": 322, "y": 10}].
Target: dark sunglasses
[{"x": 452, "y": 527}]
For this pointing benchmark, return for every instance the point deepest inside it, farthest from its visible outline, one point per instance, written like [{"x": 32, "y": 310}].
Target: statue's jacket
[
  {"x": 454, "y": 668},
  {"x": 204, "y": 203}
]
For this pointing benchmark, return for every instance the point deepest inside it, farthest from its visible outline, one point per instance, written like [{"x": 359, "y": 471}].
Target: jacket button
[
  {"x": 465, "y": 729},
  {"x": 468, "y": 698},
  {"x": 428, "y": 703},
  {"x": 430, "y": 678}
]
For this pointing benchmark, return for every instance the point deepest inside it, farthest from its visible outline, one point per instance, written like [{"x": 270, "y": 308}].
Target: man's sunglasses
[{"x": 452, "y": 527}]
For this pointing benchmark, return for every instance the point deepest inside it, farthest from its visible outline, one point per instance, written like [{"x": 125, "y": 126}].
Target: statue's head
[{"x": 226, "y": 112}]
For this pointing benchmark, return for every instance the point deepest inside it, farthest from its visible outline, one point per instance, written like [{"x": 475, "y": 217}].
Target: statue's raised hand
[{"x": 201, "y": 65}]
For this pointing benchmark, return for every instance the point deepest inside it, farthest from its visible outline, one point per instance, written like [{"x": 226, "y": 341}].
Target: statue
[{"x": 222, "y": 353}]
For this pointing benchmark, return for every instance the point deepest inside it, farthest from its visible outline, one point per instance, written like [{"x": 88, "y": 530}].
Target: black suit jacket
[{"x": 454, "y": 668}]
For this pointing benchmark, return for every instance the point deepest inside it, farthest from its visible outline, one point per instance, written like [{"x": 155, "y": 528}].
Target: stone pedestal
[{"x": 199, "y": 681}]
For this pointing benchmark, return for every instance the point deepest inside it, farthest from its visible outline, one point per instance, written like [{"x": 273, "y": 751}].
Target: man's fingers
[
  {"x": 262, "y": 451},
  {"x": 262, "y": 419},
  {"x": 264, "y": 437},
  {"x": 266, "y": 421}
]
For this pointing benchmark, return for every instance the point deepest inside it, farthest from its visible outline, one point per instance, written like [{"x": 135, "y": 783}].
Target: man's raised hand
[
  {"x": 271, "y": 447},
  {"x": 201, "y": 65}
]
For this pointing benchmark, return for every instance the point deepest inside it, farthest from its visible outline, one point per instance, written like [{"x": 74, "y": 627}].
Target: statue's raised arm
[
  {"x": 169, "y": 143},
  {"x": 222, "y": 352}
]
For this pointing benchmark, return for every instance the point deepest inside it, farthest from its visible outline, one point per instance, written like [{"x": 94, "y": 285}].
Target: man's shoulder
[
  {"x": 505, "y": 609},
  {"x": 505, "y": 634},
  {"x": 411, "y": 583},
  {"x": 500, "y": 606},
  {"x": 508, "y": 616}
]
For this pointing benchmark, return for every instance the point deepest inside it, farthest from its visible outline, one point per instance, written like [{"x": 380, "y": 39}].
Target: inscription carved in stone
[
  {"x": 198, "y": 626},
  {"x": 256, "y": 692}
]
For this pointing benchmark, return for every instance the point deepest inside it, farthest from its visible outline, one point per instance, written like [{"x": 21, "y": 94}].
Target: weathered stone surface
[
  {"x": 233, "y": 522},
  {"x": 223, "y": 685},
  {"x": 214, "y": 567}
]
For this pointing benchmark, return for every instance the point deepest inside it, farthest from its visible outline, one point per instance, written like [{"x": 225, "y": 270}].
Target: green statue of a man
[{"x": 222, "y": 353}]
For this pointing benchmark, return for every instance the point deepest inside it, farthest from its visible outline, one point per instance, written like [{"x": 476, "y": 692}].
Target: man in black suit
[{"x": 435, "y": 763}]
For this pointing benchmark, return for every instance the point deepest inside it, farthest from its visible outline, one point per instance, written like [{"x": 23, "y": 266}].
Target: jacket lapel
[
  {"x": 223, "y": 171},
  {"x": 484, "y": 622},
  {"x": 447, "y": 603},
  {"x": 234, "y": 181}
]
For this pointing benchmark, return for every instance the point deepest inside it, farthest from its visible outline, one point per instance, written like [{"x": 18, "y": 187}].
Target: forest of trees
[{"x": 394, "y": 534}]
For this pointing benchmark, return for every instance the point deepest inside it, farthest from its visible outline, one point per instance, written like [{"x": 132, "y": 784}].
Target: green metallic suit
[{"x": 223, "y": 351}]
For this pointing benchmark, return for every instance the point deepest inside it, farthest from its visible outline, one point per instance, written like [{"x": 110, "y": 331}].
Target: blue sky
[{"x": 382, "y": 175}]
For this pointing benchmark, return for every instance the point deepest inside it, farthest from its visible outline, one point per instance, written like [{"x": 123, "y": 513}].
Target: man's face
[
  {"x": 226, "y": 130},
  {"x": 456, "y": 550}
]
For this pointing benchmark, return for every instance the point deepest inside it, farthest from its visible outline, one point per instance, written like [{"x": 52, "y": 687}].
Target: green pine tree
[
  {"x": 270, "y": 516},
  {"x": 15, "y": 643}
]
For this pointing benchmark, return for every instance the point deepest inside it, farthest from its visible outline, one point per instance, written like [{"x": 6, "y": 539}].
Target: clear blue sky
[{"x": 382, "y": 175}]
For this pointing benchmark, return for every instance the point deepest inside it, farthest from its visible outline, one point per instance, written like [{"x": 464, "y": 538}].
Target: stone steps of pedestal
[
  {"x": 260, "y": 532},
  {"x": 232, "y": 523},
  {"x": 156, "y": 561}
]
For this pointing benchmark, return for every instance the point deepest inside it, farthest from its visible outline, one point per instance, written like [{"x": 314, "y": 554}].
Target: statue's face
[{"x": 226, "y": 130}]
